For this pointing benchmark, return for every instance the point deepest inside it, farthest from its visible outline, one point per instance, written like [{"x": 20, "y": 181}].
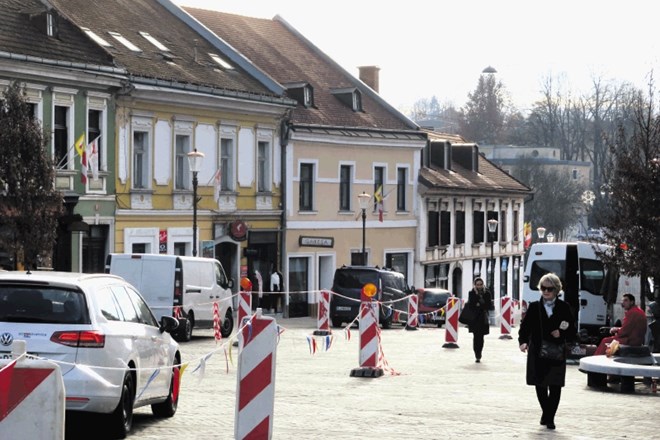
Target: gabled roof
[
  {"x": 186, "y": 62},
  {"x": 284, "y": 54},
  {"x": 21, "y": 34},
  {"x": 489, "y": 178}
]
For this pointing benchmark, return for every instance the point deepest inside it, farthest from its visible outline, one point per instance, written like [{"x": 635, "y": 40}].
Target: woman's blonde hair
[{"x": 552, "y": 279}]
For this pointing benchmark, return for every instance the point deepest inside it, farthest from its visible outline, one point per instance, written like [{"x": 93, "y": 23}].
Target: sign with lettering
[{"x": 316, "y": 241}]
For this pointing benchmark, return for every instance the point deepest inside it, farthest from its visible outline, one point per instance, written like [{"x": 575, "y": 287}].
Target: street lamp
[
  {"x": 363, "y": 200},
  {"x": 195, "y": 161},
  {"x": 550, "y": 237},
  {"x": 492, "y": 227},
  {"x": 540, "y": 231}
]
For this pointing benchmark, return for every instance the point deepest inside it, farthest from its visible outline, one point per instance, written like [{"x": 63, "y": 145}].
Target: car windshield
[
  {"x": 42, "y": 304},
  {"x": 434, "y": 299},
  {"x": 355, "y": 279}
]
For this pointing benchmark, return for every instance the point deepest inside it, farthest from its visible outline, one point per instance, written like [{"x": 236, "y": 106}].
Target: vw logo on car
[{"x": 6, "y": 339}]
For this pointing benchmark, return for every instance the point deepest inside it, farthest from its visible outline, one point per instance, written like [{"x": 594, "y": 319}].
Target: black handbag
[
  {"x": 468, "y": 315},
  {"x": 550, "y": 350}
]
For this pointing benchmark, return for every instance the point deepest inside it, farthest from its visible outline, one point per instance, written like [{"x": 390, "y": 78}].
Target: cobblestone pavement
[{"x": 436, "y": 393}]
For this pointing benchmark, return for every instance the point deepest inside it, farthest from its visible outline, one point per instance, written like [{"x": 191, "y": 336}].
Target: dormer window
[
  {"x": 50, "y": 24},
  {"x": 302, "y": 92},
  {"x": 350, "y": 96}
]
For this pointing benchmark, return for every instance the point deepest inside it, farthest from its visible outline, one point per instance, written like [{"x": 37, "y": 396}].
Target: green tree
[
  {"x": 484, "y": 113},
  {"x": 632, "y": 217},
  {"x": 29, "y": 203}
]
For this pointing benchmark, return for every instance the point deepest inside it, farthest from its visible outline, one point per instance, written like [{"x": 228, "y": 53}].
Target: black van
[{"x": 348, "y": 283}]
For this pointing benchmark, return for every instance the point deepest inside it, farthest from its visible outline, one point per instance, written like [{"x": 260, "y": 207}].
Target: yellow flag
[{"x": 80, "y": 144}]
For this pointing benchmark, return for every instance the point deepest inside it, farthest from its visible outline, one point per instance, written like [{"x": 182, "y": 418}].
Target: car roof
[
  {"x": 51, "y": 277},
  {"x": 370, "y": 268}
]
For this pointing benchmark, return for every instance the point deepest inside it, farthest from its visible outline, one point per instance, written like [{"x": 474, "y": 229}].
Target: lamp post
[
  {"x": 540, "y": 231},
  {"x": 363, "y": 200},
  {"x": 195, "y": 161},
  {"x": 550, "y": 237},
  {"x": 492, "y": 227}
]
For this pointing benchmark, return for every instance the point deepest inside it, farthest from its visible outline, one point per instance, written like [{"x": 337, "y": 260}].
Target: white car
[{"x": 113, "y": 353}]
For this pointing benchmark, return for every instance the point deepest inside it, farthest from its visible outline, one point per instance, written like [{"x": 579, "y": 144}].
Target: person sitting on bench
[{"x": 633, "y": 330}]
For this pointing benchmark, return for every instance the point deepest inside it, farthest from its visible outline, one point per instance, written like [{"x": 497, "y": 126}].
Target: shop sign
[{"x": 316, "y": 241}]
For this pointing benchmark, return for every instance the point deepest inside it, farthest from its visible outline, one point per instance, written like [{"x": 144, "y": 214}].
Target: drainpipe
[{"x": 285, "y": 131}]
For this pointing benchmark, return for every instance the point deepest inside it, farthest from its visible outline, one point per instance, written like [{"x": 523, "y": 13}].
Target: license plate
[
  {"x": 344, "y": 308},
  {"x": 7, "y": 355}
]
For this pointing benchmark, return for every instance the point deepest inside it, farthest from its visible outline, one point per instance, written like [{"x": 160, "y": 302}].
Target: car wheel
[
  {"x": 184, "y": 333},
  {"x": 121, "y": 419},
  {"x": 168, "y": 407},
  {"x": 227, "y": 325},
  {"x": 387, "y": 322}
]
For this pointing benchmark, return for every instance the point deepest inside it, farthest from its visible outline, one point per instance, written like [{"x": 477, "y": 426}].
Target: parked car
[
  {"x": 592, "y": 234},
  {"x": 185, "y": 287},
  {"x": 348, "y": 283},
  {"x": 432, "y": 299},
  {"x": 113, "y": 353}
]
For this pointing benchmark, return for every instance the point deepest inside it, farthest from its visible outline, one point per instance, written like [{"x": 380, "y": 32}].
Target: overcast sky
[{"x": 439, "y": 47}]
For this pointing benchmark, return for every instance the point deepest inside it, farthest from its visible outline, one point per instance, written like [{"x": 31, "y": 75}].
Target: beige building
[{"x": 341, "y": 140}]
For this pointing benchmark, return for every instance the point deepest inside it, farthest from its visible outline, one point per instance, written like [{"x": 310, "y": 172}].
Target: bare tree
[{"x": 556, "y": 204}]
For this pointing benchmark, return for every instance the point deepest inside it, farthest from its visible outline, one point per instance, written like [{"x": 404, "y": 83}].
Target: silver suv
[{"x": 113, "y": 354}]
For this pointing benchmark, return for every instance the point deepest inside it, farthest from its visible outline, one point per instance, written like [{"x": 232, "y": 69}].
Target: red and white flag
[
  {"x": 93, "y": 158},
  {"x": 217, "y": 184}
]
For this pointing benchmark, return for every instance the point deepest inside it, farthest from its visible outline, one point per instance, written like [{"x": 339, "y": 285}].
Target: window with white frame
[
  {"x": 61, "y": 123},
  {"x": 141, "y": 159},
  {"x": 401, "y": 177},
  {"x": 379, "y": 182},
  {"x": 181, "y": 168},
  {"x": 345, "y": 175},
  {"x": 226, "y": 164},
  {"x": 263, "y": 166},
  {"x": 94, "y": 132},
  {"x": 306, "y": 193}
]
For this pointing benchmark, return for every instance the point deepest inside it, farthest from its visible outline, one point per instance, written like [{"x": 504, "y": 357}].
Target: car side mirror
[
  {"x": 230, "y": 283},
  {"x": 168, "y": 324}
]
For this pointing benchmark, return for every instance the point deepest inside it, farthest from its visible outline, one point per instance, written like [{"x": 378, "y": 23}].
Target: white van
[
  {"x": 168, "y": 282},
  {"x": 582, "y": 274}
]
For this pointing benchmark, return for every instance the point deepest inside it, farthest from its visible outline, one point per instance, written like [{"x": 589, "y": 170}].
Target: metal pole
[
  {"x": 492, "y": 265},
  {"x": 364, "y": 232},
  {"x": 194, "y": 182}
]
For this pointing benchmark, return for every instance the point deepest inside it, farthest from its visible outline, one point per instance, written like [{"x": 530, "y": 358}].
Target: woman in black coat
[
  {"x": 479, "y": 299},
  {"x": 550, "y": 319}
]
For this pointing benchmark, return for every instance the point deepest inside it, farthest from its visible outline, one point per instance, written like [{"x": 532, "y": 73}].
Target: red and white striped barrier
[
  {"x": 32, "y": 396},
  {"x": 453, "y": 307},
  {"x": 255, "y": 383},
  {"x": 323, "y": 318},
  {"x": 216, "y": 322},
  {"x": 413, "y": 312},
  {"x": 505, "y": 318},
  {"x": 244, "y": 308},
  {"x": 369, "y": 341}
]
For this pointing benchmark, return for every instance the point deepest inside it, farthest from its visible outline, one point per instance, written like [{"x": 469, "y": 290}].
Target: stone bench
[{"x": 599, "y": 367}]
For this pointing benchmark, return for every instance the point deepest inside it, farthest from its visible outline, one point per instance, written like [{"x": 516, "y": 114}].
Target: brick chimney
[{"x": 369, "y": 76}]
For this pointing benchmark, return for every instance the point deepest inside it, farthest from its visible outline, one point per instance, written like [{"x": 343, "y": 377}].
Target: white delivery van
[
  {"x": 171, "y": 282},
  {"x": 582, "y": 274}
]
